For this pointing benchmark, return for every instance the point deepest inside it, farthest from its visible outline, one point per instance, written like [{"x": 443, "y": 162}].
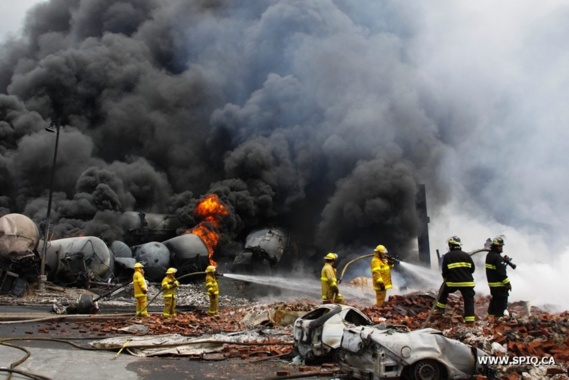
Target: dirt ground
[{"x": 269, "y": 355}]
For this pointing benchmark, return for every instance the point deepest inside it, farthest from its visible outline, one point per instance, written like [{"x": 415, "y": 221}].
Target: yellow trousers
[
  {"x": 213, "y": 304},
  {"x": 141, "y": 304},
  {"x": 169, "y": 307},
  {"x": 337, "y": 297},
  {"x": 380, "y": 297}
]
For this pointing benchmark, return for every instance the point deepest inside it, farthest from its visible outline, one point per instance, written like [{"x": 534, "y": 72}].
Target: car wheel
[{"x": 427, "y": 369}]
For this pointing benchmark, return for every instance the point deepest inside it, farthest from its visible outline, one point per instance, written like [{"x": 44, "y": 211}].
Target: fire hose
[
  {"x": 86, "y": 304},
  {"x": 179, "y": 278},
  {"x": 389, "y": 258}
]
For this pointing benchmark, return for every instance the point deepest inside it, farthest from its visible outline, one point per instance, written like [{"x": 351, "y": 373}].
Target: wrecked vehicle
[
  {"x": 374, "y": 352},
  {"x": 318, "y": 333}
]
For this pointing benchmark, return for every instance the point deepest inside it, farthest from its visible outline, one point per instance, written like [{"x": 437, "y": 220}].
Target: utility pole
[{"x": 53, "y": 128}]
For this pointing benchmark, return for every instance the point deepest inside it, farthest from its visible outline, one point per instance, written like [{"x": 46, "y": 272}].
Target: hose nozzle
[
  {"x": 508, "y": 260},
  {"x": 393, "y": 260}
]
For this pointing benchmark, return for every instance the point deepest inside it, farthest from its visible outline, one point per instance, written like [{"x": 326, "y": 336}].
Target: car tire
[{"x": 426, "y": 369}]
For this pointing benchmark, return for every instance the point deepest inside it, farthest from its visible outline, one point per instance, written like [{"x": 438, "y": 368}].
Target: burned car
[
  {"x": 373, "y": 352},
  {"x": 318, "y": 333}
]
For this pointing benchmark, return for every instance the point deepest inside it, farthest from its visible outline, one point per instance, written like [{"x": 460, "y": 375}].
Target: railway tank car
[
  {"x": 262, "y": 252},
  {"x": 77, "y": 260}
]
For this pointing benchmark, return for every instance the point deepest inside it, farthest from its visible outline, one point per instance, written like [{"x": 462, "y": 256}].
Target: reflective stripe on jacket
[
  {"x": 169, "y": 290},
  {"x": 139, "y": 283},
  {"x": 380, "y": 272},
  {"x": 211, "y": 284},
  {"x": 496, "y": 273},
  {"x": 328, "y": 280},
  {"x": 457, "y": 269}
]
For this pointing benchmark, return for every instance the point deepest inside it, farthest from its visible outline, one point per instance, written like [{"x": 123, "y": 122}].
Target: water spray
[{"x": 299, "y": 285}]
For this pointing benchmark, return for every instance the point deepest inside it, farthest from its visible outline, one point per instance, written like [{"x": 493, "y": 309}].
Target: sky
[
  {"x": 13, "y": 13},
  {"x": 324, "y": 116}
]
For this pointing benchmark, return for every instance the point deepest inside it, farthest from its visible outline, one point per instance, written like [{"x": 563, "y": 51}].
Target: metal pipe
[{"x": 43, "y": 277}]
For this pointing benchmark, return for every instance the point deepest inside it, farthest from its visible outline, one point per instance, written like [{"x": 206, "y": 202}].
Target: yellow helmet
[
  {"x": 138, "y": 265},
  {"x": 210, "y": 269},
  {"x": 331, "y": 256},
  {"x": 171, "y": 271},
  {"x": 381, "y": 249}
]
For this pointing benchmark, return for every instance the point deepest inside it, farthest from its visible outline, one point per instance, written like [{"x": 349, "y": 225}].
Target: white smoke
[{"x": 503, "y": 64}]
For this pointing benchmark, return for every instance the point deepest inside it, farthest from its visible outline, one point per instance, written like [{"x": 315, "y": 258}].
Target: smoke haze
[{"x": 323, "y": 117}]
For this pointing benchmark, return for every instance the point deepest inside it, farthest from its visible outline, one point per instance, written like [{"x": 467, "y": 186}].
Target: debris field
[{"x": 526, "y": 332}]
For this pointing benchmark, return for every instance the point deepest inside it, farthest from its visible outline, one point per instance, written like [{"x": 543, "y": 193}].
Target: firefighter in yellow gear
[
  {"x": 169, "y": 292},
  {"x": 212, "y": 289},
  {"x": 140, "y": 290},
  {"x": 330, "y": 291},
  {"x": 381, "y": 273}
]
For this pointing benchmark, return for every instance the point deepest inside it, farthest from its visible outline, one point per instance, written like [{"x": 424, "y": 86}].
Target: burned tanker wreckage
[
  {"x": 159, "y": 241},
  {"x": 85, "y": 261}
]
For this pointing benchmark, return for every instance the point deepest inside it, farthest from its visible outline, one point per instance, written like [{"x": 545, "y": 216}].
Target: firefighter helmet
[
  {"x": 331, "y": 256},
  {"x": 171, "y": 271},
  {"x": 498, "y": 240},
  {"x": 210, "y": 269},
  {"x": 381, "y": 249},
  {"x": 454, "y": 241},
  {"x": 138, "y": 265}
]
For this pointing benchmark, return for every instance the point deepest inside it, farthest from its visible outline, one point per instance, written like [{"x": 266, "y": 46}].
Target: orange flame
[{"x": 211, "y": 210}]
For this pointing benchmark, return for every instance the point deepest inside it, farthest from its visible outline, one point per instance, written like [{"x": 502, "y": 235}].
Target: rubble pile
[{"x": 526, "y": 331}]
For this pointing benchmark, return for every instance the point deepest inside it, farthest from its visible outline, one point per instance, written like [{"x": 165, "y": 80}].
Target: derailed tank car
[
  {"x": 156, "y": 259},
  {"x": 263, "y": 251},
  {"x": 19, "y": 237},
  {"x": 188, "y": 253},
  {"x": 78, "y": 260},
  {"x": 143, "y": 227}
]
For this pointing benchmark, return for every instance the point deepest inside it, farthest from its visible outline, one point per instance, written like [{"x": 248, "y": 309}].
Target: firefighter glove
[
  {"x": 144, "y": 291},
  {"x": 381, "y": 286},
  {"x": 508, "y": 286}
]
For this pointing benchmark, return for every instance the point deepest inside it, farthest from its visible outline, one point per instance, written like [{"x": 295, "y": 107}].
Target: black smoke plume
[{"x": 317, "y": 116}]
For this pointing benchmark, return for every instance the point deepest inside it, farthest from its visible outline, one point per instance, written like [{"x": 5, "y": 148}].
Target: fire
[{"x": 211, "y": 210}]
